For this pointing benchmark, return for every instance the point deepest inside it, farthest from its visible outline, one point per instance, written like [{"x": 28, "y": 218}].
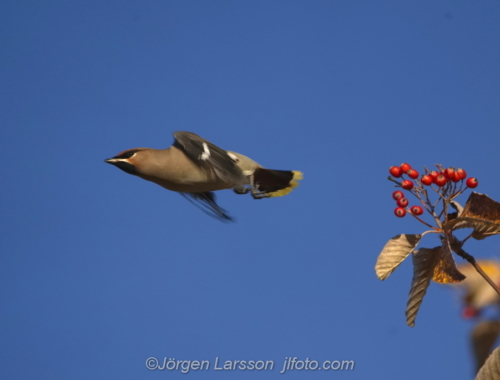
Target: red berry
[
  {"x": 461, "y": 173},
  {"x": 407, "y": 184},
  {"x": 449, "y": 173},
  {"x": 440, "y": 180},
  {"x": 426, "y": 180},
  {"x": 402, "y": 202},
  {"x": 471, "y": 182},
  {"x": 412, "y": 173},
  {"x": 470, "y": 312},
  {"x": 405, "y": 167},
  {"x": 434, "y": 174},
  {"x": 456, "y": 177},
  {"x": 398, "y": 194},
  {"x": 396, "y": 171},
  {"x": 417, "y": 210},
  {"x": 400, "y": 212}
]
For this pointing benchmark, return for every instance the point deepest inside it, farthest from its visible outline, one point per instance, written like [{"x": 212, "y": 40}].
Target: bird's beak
[{"x": 123, "y": 164}]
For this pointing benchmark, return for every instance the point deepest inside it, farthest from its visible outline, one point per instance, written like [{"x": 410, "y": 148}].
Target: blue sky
[{"x": 100, "y": 270}]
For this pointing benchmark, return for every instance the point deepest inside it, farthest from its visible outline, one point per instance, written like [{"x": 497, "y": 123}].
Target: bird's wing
[
  {"x": 209, "y": 157},
  {"x": 206, "y": 203}
]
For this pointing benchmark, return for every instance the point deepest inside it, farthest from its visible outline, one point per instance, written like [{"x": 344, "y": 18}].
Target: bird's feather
[
  {"x": 206, "y": 203},
  {"x": 209, "y": 157}
]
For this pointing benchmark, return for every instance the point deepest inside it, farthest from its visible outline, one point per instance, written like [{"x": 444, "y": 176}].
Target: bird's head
[{"x": 129, "y": 160}]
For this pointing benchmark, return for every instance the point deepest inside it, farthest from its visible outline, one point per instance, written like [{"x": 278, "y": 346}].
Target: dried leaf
[
  {"x": 395, "y": 251},
  {"x": 424, "y": 262},
  {"x": 446, "y": 271},
  {"x": 483, "y": 338},
  {"x": 457, "y": 206},
  {"x": 458, "y": 210},
  {"x": 491, "y": 369},
  {"x": 480, "y": 213}
]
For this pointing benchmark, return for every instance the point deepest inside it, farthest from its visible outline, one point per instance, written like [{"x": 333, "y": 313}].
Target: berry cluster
[
  {"x": 448, "y": 183},
  {"x": 403, "y": 203}
]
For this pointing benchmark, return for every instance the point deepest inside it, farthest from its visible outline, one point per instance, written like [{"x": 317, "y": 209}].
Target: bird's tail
[{"x": 275, "y": 183}]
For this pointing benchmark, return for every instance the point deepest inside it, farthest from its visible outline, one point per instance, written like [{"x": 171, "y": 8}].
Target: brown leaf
[
  {"x": 491, "y": 369},
  {"x": 458, "y": 210},
  {"x": 393, "y": 253},
  {"x": 483, "y": 337},
  {"x": 480, "y": 213},
  {"x": 424, "y": 262},
  {"x": 446, "y": 271},
  {"x": 457, "y": 206}
]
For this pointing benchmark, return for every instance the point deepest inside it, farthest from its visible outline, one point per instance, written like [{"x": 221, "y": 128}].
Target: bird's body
[
  {"x": 195, "y": 167},
  {"x": 169, "y": 169}
]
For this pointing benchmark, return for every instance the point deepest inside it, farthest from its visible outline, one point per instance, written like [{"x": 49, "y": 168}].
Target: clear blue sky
[{"x": 100, "y": 270}]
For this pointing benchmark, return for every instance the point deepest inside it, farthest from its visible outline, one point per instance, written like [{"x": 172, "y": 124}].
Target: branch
[{"x": 456, "y": 246}]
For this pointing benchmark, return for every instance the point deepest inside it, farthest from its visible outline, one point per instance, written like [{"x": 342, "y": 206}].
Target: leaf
[
  {"x": 480, "y": 213},
  {"x": 491, "y": 369},
  {"x": 483, "y": 337},
  {"x": 424, "y": 262},
  {"x": 445, "y": 270},
  {"x": 458, "y": 210},
  {"x": 457, "y": 206},
  {"x": 394, "y": 252},
  {"x": 437, "y": 264}
]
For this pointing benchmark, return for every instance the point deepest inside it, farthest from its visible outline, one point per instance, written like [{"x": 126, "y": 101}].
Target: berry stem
[
  {"x": 421, "y": 221},
  {"x": 460, "y": 191},
  {"x": 393, "y": 180},
  {"x": 431, "y": 207}
]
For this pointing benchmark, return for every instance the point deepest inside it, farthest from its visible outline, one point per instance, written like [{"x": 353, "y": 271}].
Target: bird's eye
[
  {"x": 125, "y": 155},
  {"x": 128, "y": 154}
]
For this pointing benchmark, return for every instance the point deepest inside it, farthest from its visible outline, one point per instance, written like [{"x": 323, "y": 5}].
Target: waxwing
[
  {"x": 477, "y": 293},
  {"x": 195, "y": 168}
]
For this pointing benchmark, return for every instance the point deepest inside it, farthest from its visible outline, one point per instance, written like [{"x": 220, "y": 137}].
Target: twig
[
  {"x": 429, "y": 206},
  {"x": 421, "y": 221},
  {"x": 393, "y": 180},
  {"x": 457, "y": 248},
  {"x": 458, "y": 193},
  {"x": 467, "y": 238}
]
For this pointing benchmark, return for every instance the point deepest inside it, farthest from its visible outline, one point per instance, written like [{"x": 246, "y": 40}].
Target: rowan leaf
[
  {"x": 394, "y": 252},
  {"x": 480, "y": 213},
  {"x": 424, "y": 262},
  {"x": 445, "y": 269},
  {"x": 458, "y": 210},
  {"x": 457, "y": 206}
]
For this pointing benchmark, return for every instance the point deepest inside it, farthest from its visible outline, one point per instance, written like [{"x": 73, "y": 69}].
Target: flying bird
[{"x": 194, "y": 167}]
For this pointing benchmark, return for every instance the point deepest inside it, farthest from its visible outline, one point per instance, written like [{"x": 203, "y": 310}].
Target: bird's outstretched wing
[
  {"x": 206, "y": 203},
  {"x": 209, "y": 157}
]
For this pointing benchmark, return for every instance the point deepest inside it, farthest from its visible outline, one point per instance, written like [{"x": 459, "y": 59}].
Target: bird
[{"x": 195, "y": 168}]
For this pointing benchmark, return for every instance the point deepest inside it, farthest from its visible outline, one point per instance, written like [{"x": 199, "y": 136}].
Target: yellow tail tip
[{"x": 294, "y": 182}]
